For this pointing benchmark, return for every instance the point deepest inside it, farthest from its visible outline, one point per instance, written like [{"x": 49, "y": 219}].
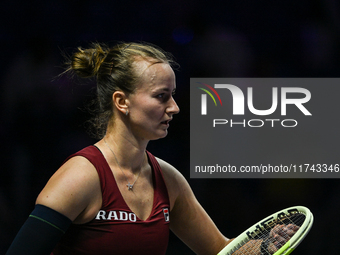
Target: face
[{"x": 152, "y": 106}]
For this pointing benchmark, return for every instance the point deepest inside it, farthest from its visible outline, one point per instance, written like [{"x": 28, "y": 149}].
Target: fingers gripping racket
[{"x": 278, "y": 234}]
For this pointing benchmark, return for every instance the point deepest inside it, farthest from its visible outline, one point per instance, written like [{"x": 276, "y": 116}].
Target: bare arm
[
  {"x": 190, "y": 222},
  {"x": 74, "y": 191},
  {"x": 188, "y": 219}
]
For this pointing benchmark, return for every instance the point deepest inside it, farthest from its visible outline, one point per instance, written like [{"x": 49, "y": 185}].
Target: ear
[{"x": 120, "y": 101}]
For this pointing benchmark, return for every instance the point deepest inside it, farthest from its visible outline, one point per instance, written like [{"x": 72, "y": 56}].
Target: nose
[{"x": 173, "y": 107}]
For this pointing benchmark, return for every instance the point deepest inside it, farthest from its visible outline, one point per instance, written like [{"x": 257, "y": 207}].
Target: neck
[{"x": 129, "y": 154}]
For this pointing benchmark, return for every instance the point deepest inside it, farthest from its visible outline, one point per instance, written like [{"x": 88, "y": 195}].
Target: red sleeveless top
[{"x": 116, "y": 229}]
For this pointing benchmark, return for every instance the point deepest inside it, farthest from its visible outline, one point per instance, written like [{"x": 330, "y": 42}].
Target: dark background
[{"x": 43, "y": 116}]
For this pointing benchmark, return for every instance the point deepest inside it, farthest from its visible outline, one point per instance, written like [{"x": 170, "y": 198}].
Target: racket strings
[{"x": 270, "y": 238}]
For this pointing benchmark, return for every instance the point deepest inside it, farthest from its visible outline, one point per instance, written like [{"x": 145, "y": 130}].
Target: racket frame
[{"x": 288, "y": 247}]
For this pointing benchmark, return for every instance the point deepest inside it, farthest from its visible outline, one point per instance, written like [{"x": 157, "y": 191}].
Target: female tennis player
[{"x": 114, "y": 197}]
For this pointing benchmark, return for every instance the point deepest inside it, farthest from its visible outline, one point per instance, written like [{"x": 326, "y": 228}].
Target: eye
[{"x": 160, "y": 95}]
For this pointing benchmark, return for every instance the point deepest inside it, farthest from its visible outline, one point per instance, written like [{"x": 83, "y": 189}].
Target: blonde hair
[{"x": 114, "y": 70}]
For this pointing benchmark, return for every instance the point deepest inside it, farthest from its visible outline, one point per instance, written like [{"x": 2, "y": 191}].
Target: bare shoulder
[
  {"x": 73, "y": 189},
  {"x": 175, "y": 181},
  {"x": 169, "y": 171}
]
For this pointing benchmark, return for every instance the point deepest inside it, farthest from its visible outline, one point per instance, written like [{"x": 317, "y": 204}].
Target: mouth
[{"x": 166, "y": 122}]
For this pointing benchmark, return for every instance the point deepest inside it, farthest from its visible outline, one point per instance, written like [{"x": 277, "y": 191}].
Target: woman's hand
[{"x": 280, "y": 235}]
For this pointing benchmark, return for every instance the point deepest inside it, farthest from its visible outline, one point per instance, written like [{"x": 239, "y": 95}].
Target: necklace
[{"x": 129, "y": 185}]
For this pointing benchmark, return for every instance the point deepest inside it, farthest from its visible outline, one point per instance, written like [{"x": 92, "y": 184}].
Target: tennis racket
[{"x": 278, "y": 234}]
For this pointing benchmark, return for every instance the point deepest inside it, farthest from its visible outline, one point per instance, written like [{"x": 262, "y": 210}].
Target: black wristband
[{"x": 40, "y": 233}]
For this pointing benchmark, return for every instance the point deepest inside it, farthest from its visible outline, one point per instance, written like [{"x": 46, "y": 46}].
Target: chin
[{"x": 161, "y": 135}]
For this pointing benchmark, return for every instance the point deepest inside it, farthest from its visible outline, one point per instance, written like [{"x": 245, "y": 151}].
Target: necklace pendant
[{"x": 130, "y": 186}]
